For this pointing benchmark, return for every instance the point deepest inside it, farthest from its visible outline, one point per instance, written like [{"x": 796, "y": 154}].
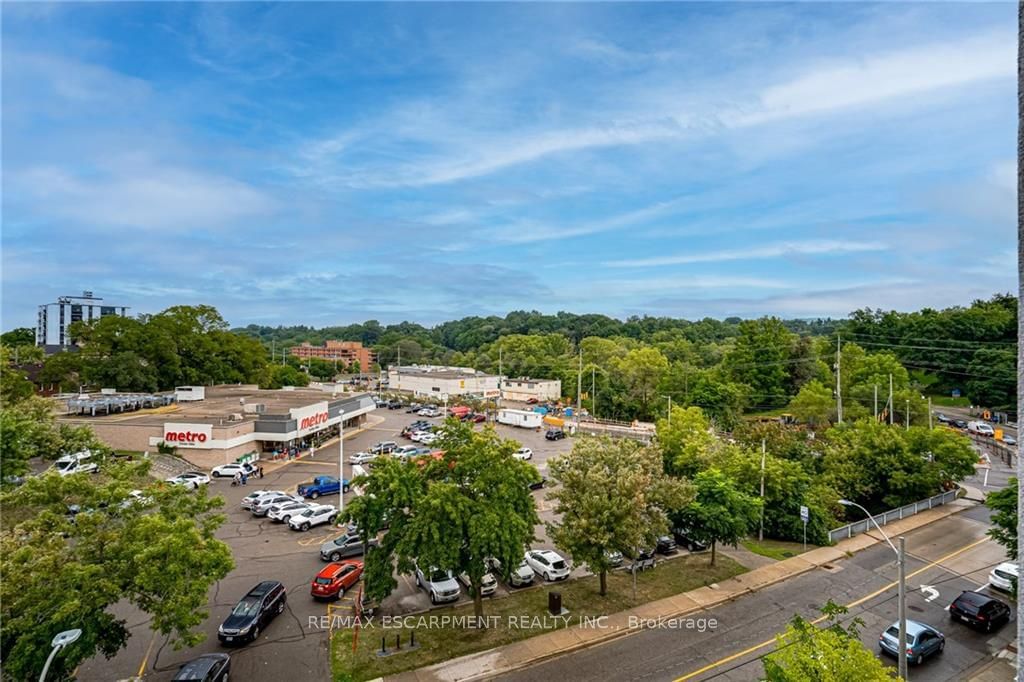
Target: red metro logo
[
  {"x": 185, "y": 437},
  {"x": 313, "y": 420}
]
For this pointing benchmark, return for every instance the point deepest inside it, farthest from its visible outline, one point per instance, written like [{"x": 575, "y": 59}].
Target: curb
[{"x": 798, "y": 565}]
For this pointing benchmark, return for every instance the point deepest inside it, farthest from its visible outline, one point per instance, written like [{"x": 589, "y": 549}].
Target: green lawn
[
  {"x": 580, "y": 597},
  {"x": 950, "y": 401},
  {"x": 775, "y": 549}
]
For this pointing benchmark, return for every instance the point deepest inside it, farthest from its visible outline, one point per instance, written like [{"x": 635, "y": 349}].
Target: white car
[
  {"x": 189, "y": 479},
  {"x": 362, "y": 458},
  {"x": 429, "y": 412},
  {"x": 1003, "y": 576},
  {"x": 523, "y": 454},
  {"x": 519, "y": 576},
  {"x": 429, "y": 438},
  {"x": 77, "y": 463},
  {"x": 229, "y": 470},
  {"x": 405, "y": 452},
  {"x": 249, "y": 499},
  {"x": 262, "y": 505},
  {"x": 284, "y": 511},
  {"x": 313, "y": 516},
  {"x": 418, "y": 435},
  {"x": 488, "y": 583},
  {"x": 548, "y": 564},
  {"x": 440, "y": 585},
  {"x": 137, "y": 497}
]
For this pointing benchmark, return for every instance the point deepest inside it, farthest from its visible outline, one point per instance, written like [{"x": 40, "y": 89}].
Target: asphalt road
[
  {"x": 949, "y": 556},
  {"x": 293, "y": 646}
]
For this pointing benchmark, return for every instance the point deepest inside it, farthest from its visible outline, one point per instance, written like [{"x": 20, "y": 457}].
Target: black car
[
  {"x": 413, "y": 408},
  {"x": 263, "y": 603},
  {"x": 380, "y": 402},
  {"x": 554, "y": 434},
  {"x": 206, "y": 668},
  {"x": 395, "y": 405},
  {"x": 684, "y": 538},
  {"x": 665, "y": 545},
  {"x": 643, "y": 559},
  {"x": 979, "y": 610},
  {"x": 959, "y": 423},
  {"x": 537, "y": 484}
]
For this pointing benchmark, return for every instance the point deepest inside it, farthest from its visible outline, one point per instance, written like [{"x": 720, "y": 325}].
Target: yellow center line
[
  {"x": 855, "y": 603},
  {"x": 145, "y": 659}
]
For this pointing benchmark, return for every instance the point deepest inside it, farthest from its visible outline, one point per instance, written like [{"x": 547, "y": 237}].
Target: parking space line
[
  {"x": 145, "y": 659},
  {"x": 857, "y": 602}
]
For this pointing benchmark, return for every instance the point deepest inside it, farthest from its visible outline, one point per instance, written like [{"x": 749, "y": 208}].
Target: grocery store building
[
  {"x": 437, "y": 381},
  {"x": 215, "y": 425}
]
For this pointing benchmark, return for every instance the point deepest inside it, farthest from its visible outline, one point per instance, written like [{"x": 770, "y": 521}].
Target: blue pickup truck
[{"x": 321, "y": 485}]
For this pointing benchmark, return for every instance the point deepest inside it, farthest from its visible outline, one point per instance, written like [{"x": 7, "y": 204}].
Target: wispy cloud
[{"x": 783, "y": 249}]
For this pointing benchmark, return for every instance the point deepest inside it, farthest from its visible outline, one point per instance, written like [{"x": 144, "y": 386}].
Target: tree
[
  {"x": 687, "y": 441},
  {"x": 65, "y": 571},
  {"x": 803, "y": 653},
  {"x": 14, "y": 385},
  {"x": 759, "y": 360},
  {"x": 277, "y": 376},
  {"x": 642, "y": 369},
  {"x": 22, "y": 336},
  {"x": 814, "y": 404},
  {"x": 451, "y": 512},
  {"x": 719, "y": 511},
  {"x": 612, "y": 495},
  {"x": 1003, "y": 504},
  {"x": 63, "y": 369}
]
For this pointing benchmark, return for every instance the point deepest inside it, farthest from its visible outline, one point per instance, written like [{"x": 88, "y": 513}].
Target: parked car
[
  {"x": 488, "y": 583},
  {"x": 440, "y": 585},
  {"x": 229, "y": 470},
  {"x": 429, "y": 412},
  {"x": 554, "y": 434},
  {"x": 519, "y": 576},
  {"x": 413, "y": 408},
  {"x": 249, "y": 500},
  {"x": 284, "y": 511},
  {"x": 322, "y": 485},
  {"x": 532, "y": 401},
  {"x": 537, "y": 483},
  {"x": 189, "y": 479},
  {"x": 405, "y": 451},
  {"x": 684, "y": 538},
  {"x": 206, "y": 668},
  {"x": 362, "y": 458},
  {"x": 478, "y": 418},
  {"x": 428, "y": 438},
  {"x": 344, "y": 546},
  {"x": 313, "y": 516},
  {"x": 979, "y": 610},
  {"x": 523, "y": 454},
  {"x": 395, "y": 405},
  {"x": 1003, "y": 576},
  {"x": 384, "y": 448},
  {"x": 548, "y": 564},
  {"x": 380, "y": 402},
  {"x": 959, "y": 423},
  {"x": 665, "y": 545},
  {"x": 1009, "y": 440},
  {"x": 922, "y": 641},
  {"x": 614, "y": 558},
  {"x": 643, "y": 559},
  {"x": 77, "y": 463},
  {"x": 981, "y": 429},
  {"x": 261, "y": 507},
  {"x": 335, "y": 578},
  {"x": 943, "y": 419},
  {"x": 254, "y": 612}
]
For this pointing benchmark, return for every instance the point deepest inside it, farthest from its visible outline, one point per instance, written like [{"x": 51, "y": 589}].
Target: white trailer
[{"x": 523, "y": 418}]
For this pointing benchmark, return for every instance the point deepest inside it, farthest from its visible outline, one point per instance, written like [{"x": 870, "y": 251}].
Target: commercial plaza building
[
  {"x": 343, "y": 351},
  {"x": 433, "y": 380},
  {"x": 525, "y": 388},
  {"x": 230, "y": 422}
]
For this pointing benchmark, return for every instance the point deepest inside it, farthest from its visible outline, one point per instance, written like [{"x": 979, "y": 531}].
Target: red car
[
  {"x": 532, "y": 401},
  {"x": 332, "y": 582},
  {"x": 477, "y": 418}
]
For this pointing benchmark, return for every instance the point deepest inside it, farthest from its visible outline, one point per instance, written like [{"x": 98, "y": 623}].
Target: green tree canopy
[
  {"x": 720, "y": 512},
  {"x": 1003, "y": 504}
]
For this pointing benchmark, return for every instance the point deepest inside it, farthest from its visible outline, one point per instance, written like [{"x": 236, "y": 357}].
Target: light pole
[
  {"x": 59, "y": 642},
  {"x": 901, "y": 561},
  {"x": 669, "y": 408},
  {"x": 341, "y": 466}
]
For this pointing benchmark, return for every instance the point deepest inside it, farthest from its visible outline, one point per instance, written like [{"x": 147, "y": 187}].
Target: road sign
[
  {"x": 805, "y": 514},
  {"x": 956, "y": 393}
]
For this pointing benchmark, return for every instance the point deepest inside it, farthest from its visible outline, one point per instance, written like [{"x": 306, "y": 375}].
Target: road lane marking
[
  {"x": 855, "y": 603},
  {"x": 145, "y": 659}
]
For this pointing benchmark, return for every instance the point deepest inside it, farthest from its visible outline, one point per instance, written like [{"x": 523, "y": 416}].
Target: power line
[
  {"x": 958, "y": 350},
  {"x": 926, "y": 339}
]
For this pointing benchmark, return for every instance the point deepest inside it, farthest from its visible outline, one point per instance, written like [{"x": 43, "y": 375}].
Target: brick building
[{"x": 342, "y": 351}]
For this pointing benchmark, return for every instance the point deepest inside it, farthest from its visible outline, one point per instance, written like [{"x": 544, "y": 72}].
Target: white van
[
  {"x": 78, "y": 463},
  {"x": 981, "y": 429}
]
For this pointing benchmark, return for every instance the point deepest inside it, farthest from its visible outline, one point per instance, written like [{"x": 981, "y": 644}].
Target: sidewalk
[
  {"x": 270, "y": 466},
  {"x": 493, "y": 662},
  {"x": 999, "y": 669}
]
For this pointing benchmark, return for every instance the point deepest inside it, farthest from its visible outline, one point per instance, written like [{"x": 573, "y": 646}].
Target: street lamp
[
  {"x": 901, "y": 561},
  {"x": 59, "y": 642},
  {"x": 341, "y": 465}
]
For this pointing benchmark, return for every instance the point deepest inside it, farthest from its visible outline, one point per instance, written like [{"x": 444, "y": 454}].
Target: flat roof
[
  {"x": 441, "y": 373},
  {"x": 220, "y": 402}
]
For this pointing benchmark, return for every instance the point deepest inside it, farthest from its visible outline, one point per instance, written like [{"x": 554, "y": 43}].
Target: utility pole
[
  {"x": 764, "y": 451},
  {"x": 876, "y": 402},
  {"x": 839, "y": 382},
  {"x": 399, "y": 387},
  {"x": 892, "y": 405},
  {"x": 341, "y": 466},
  {"x": 498, "y": 401},
  {"x": 579, "y": 390},
  {"x": 930, "y": 413},
  {"x": 902, "y": 559},
  {"x": 593, "y": 391},
  {"x": 907, "y": 425}
]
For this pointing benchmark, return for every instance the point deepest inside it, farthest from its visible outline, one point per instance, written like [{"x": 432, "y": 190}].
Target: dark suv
[
  {"x": 206, "y": 668},
  {"x": 554, "y": 434},
  {"x": 979, "y": 610},
  {"x": 684, "y": 538},
  {"x": 665, "y": 545},
  {"x": 263, "y": 603}
]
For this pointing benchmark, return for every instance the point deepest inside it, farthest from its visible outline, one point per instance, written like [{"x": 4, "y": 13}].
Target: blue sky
[{"x": 329, "y": 163}]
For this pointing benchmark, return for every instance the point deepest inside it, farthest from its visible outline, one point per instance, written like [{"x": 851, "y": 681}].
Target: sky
[{"x": 330, "y": 163}]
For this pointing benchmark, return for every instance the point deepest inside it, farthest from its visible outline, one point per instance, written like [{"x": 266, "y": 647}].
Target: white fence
[{"x": 849, "y": 530}]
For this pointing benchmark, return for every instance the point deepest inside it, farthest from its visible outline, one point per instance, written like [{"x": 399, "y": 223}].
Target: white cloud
[{"x": 807, "y": 248}]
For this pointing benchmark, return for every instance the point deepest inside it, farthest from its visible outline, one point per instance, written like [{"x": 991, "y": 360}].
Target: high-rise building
[{"x": 55, "y": 318}]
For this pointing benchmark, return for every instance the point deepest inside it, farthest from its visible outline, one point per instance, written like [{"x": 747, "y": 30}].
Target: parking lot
[{"x": 266, "y": 550}]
